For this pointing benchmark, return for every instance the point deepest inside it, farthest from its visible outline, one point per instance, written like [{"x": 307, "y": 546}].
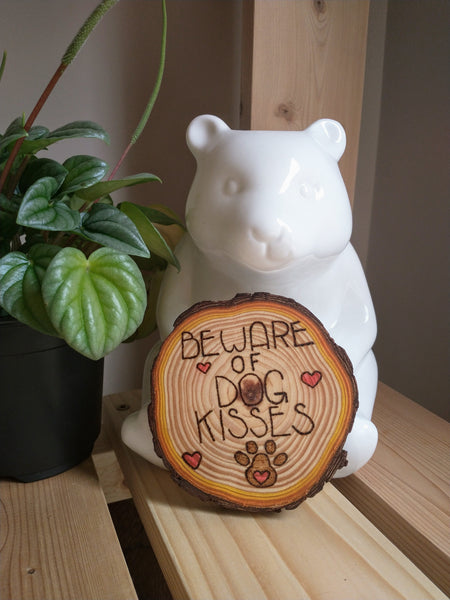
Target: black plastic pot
[{"x": 50, "y": 403}]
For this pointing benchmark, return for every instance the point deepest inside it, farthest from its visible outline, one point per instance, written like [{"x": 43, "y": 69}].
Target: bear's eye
[
  {"x": 318, "y": 191},
  {"x": 231, "y": 187},
  {"x": 309, "y": 191},
  {"x": 306, "y": 191}
]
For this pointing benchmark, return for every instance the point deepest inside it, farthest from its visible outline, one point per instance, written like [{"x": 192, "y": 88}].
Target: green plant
[{"x": 72, "y": 264}]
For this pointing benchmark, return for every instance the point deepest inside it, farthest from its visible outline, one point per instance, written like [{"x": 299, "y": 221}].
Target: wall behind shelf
[{"x": 401, "y": 204}]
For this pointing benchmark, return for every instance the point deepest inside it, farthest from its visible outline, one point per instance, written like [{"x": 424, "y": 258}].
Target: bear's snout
[
  {"x": 267, "y": 232},
  {"x": 275, "y": 242}
]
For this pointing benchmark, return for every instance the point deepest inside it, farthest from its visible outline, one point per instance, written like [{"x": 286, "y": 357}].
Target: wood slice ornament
[{"x": 252, "y": 402}]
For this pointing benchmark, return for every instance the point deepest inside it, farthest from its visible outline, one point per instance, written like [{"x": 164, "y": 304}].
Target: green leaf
[
  {"x": 148, "y": 324},
  {"x": 108, "y": 226},
  {"x": 8, "y": 214},
  {"x": 157, "y": 213},
  {"x": 36, "y": 132},
  {"x": 41, "y": 255},
  {"x": 83, "y": 171},
  {"x": 38, "y": 211},
  {"x": 94, "y": 303},
  {"x": 9, "y": 205},
  {"x": 34, "y": 146},
  {"x": 151, "y": 236},
  {"x": 16, "y": 126},
  {"x": 14, "y": 131},
  {"x": 6, "y": 140},
  {"x": 79, "y": 129},
  {"x": 42, "y": 167},
  {"x": 107, "y": 187},
  {"x": 77, "y": 203},
  {"x": 76, "y": 129},
  {"x": 74, "y": 202},
  {"x": 20, "y": 286}
]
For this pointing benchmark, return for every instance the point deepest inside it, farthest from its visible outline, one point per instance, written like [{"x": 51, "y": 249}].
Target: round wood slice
[{"x": 252, "y": 402}]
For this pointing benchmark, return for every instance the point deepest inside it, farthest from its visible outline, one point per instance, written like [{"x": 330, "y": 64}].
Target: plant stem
[
  {"x": 120, "y": 161},
  {"x": 17, "y": 175},
  {"x": 148, "y": 109},
  {"x": 78, "y": 41},
  {"x": 40, "y": 103},
  {"x": 2, "y": 65},
  {"x": 73, "y": 49}
]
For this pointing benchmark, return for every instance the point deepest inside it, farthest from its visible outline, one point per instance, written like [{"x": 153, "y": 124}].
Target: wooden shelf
[
  {"x": 57, "y": 541},
  {"x": 404, "y": 489},
  {"x": 324, "y": 547}
]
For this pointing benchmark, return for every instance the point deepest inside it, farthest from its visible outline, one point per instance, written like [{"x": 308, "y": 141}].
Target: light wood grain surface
[
  {"x": 57, "y": 541},
  {"x": 263, "y": 432},
  {"x": 324, "y": 549},
  {"x": 108, "y": 470},
  {"x": 405, "y": 489},
  {"x": 302, "y": 61}
]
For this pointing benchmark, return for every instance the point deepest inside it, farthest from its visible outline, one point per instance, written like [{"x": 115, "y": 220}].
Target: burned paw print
[{"x": 261, "y": 472}]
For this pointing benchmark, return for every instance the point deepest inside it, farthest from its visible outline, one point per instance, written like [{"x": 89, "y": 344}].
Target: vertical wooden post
[{"x": 304, "y": 60}]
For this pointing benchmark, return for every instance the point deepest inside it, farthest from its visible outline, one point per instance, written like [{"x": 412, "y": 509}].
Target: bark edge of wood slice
[{"x": 252, "y": 402}]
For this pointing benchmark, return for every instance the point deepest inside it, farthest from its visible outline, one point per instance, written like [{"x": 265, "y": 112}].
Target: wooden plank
[
  {"x": 404, "y": 490},
  {"x": 306, "y": 62},
  {"x": 324, "y": 549},
  {"x": 57, "y": 541},
  {"x": 108, "y": 470}
]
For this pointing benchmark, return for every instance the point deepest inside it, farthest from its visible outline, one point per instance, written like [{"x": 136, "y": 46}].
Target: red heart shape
[
  {"x": 261, "y": 476},
  {"x": 311, "y": 379},
  {"x": 203, "y": 367},
  {"x": 193, "y": 460}
]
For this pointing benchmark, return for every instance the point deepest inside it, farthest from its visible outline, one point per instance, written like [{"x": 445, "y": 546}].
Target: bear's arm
[
  {"x": 176, "y": 288},
  {"x": 355, "y": 328}
]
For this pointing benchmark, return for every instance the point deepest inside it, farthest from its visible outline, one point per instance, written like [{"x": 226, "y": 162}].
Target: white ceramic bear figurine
[{"x": 268, "y": 212}]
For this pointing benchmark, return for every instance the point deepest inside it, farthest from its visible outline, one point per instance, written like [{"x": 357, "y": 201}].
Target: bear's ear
[
  {"x": 330, "y": 135},
  {"x": 204, "y": 132}
]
